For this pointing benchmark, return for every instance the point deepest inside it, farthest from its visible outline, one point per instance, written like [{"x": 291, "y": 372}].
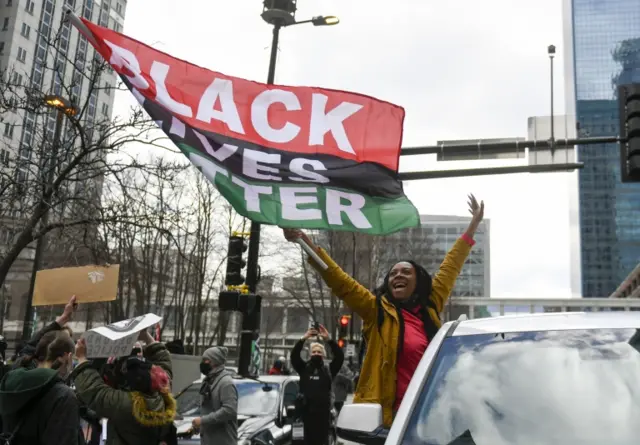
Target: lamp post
[
  {"x": 63, "y": 107},
  {"x": 279, "y": 14},
  {"x": 551, "y": 50}
]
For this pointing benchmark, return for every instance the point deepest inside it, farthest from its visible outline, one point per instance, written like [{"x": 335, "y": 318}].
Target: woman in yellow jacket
[{"x": 400, "y": 317}]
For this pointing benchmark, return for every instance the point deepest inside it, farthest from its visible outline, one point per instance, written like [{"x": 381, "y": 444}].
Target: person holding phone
[{"x": 315, "y": 401}]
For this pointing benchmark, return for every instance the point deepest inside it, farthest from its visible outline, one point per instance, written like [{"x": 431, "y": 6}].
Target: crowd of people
[{"x": 50, "y": 384}]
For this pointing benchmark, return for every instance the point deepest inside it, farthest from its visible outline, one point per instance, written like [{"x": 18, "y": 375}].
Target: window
[
  {"x": 5, "y": 157},
  {"x": 8, "y": 130},
  {"x": 26, "y": 31},
  {"x": 9, "y": 2},
  {"x": 29, "y": 7},
  {"x": 105, "y": 109},
  {"x": 17, "y": 78},
  {"x": 119, "y": 8},
  {"x": 554, "y": 370},
  {"x": 107, "y": 89},
  {"x": 290, "y": 394},
  {"x": 5, "y": 24},
  {"x": 22, "y": 54},
  {"x": 1, "y": 47}
]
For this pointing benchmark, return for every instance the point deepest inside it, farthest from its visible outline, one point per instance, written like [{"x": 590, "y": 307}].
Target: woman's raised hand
[{"x": 477, "y": 214}]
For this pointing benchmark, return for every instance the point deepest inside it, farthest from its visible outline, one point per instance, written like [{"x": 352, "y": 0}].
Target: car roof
[
  {"x": 548, "y": 322},
  {"x": 261, "y": 378}
]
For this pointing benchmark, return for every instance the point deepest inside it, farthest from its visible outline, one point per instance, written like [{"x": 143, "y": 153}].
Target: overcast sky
[{"x": 462, "y": 70}]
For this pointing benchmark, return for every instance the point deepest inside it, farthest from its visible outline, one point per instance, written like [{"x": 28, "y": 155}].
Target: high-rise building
[
  {"x": 602, "y": 40},
  {"x": 44, "y": 54}
]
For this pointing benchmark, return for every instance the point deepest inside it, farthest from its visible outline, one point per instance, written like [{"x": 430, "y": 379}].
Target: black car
[{"x": 262, "y": 403}]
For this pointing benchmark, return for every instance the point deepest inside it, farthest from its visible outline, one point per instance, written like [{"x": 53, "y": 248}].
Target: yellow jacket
[{"x": 377, "y": 382}]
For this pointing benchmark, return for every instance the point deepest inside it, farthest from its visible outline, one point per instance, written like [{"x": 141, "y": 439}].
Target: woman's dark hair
[{"x": 51, "y": 348}]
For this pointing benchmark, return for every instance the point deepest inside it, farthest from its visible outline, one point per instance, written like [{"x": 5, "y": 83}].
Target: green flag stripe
[{"x": 378, "y": 216}]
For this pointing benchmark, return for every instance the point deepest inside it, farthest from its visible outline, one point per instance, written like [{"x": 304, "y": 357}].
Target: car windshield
[
  {"x": 543, "y": 388},
  {"x": 254, "y": 399}
]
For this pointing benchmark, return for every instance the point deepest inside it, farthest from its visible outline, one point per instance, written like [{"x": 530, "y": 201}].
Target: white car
[{"x": 547, "y": 379}]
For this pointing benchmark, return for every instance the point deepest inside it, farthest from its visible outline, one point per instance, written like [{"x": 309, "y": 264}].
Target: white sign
[
  {"x": 117, "y": 339},
  {"x": 351, "y": 350}
]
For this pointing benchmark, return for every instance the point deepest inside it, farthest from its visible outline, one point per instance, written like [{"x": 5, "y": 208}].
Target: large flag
[{"x": 301, "y": 157}]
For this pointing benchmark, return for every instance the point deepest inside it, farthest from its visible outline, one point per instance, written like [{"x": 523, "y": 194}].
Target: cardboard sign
[
  {"x": 117, "y": 339},
  {"x": 90, "y": 284}
]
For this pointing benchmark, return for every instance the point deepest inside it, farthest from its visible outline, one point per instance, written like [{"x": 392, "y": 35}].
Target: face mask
[
  {"x": 205, "y": 368},
  {"x": 316, "y": 361}
]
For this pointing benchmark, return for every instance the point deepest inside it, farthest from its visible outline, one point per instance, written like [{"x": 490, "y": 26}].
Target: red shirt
[{"x": 415, "y": 343}]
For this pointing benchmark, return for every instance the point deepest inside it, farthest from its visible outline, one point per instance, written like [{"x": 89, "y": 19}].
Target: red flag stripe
[{"x": 338, "y": 123}]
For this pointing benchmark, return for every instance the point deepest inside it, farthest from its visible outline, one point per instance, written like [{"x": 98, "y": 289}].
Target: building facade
[
  {"x": 41, "y": 53},
  {"x": 602, "y": 40}
]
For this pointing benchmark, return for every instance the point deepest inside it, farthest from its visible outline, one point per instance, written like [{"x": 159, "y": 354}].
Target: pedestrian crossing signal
[{"x": 341, "y": 342}]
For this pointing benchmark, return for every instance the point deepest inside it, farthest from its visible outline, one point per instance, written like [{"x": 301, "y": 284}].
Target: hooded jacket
[
  {"x": 133, "y": 417},
  {"x": 219, "y": 409},
  {"x": 382, "y": 323},
  {"x": 49, "y": 408}
]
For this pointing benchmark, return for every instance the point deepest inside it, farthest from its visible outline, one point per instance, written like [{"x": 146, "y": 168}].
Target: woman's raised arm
[{"x": 357, "y": 297}]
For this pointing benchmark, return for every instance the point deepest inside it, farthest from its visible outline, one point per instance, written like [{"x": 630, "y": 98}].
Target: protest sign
[
  {"x": 117, "y": 339},
  {"x": 90, "y": 284}
]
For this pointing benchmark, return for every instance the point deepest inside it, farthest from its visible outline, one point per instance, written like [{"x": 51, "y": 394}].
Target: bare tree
[{"x": 52, "y": 185}]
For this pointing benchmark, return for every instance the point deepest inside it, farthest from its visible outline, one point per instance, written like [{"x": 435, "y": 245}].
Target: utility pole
[
  {"x": 279, "y": 14},
  {"x": 27, "y": 326}
]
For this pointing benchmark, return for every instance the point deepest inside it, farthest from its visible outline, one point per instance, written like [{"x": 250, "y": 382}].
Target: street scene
[{"x": 328, "y": 223}]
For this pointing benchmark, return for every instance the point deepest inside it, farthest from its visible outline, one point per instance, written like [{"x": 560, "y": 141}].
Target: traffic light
[
  {"x": 343, "y": 325},
  {"x": 629, "y": 103},
  {"x": 235, "y": 262}
]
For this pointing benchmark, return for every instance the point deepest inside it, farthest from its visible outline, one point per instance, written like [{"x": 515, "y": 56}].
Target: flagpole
[{"x": 81, "y": 27}]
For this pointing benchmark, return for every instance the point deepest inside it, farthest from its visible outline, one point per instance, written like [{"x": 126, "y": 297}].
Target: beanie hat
[{"x": 217, "y": 355}]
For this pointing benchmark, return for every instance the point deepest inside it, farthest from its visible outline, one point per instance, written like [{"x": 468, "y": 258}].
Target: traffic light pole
[
  {"x": 515, "y": 146},
  {"x": 249, "y": 330}
]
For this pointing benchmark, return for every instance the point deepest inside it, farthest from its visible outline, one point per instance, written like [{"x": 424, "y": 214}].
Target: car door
[{"x": 289, "y": 396}]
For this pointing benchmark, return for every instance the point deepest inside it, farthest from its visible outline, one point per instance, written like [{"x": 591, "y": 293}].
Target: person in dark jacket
[
  {"x": 25, "y": 353},
  {"x": 218, "y": 424},
  {"x": 35, "y": 403},
  {"x": 141, "y": 409},
  {"x": 315, "y": 403}
]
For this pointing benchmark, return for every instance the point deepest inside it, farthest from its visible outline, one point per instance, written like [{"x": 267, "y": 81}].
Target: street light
[
  {"x": 551, "y": 51},
  {"x": 279, "y": 14},
  {"x": 64, "y": 107},
  {"x": 61, "y": 104}
]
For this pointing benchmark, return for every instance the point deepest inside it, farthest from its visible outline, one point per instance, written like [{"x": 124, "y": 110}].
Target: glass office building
[{"x": 603, "y": 36}]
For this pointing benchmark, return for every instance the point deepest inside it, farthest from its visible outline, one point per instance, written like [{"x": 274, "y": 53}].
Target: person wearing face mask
[
  {"x": 400, "y": 317},
  {"x": 218, "y": 424},
  {"x": 314, "y": 404},
  {"x": 36, "y": 405}
]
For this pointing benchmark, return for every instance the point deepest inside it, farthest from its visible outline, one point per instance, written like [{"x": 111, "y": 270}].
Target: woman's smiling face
[{"x": 402, "y": 280}]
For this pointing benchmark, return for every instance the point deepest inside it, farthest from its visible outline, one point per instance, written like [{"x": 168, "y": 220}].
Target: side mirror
[
  {"x": 362, "y": 423},
  {"x": 290, "y": 412}
]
